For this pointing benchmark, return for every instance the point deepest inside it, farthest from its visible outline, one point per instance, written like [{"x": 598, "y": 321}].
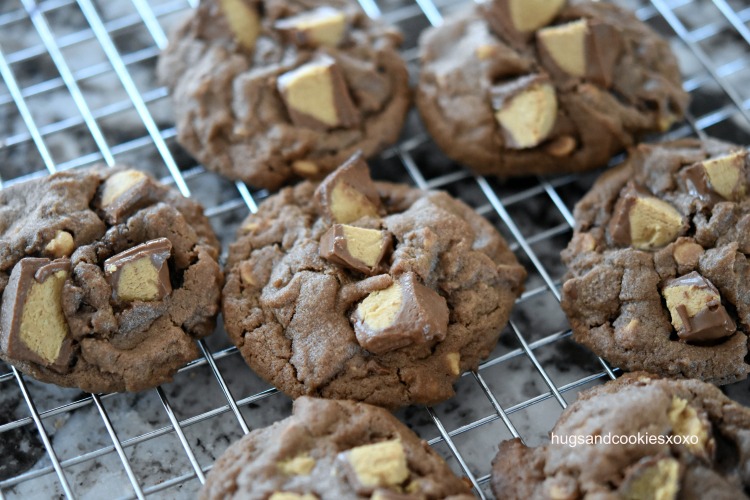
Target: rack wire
[{"x": 54, "y": 116}]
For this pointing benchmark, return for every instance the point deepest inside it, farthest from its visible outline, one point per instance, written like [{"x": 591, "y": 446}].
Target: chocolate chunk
[
  {"x": 695, "y": 306},
  {"x": 324, "y": 26},
  {"x": 355, "y": 247},
  {"x": 348, "y": 193},
  {"x": 140, "y": 273},
  {"x": 34, "y": 327},
  {"x": 316, "y": 96},
  {"x": 403, "y": 314}
]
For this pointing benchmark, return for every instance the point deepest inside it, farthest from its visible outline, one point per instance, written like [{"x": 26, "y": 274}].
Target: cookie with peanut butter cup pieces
[
  {"x": 331, "y": 450},
  {"x": 634, "y": 438},
  {"x": 270, "y": 90},
  {"x": 107, "y": 278},
  {"x": 372, "y": 291},
  {"x": 657, "y": 270},
  {"x": 519, "y": 87}
]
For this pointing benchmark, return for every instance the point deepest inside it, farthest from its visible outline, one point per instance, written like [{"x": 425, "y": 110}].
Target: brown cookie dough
[
  {"x": 519, "y": 87},
  {"x": 684, "y": 440},
  {"x": 267, "y": 90},
  {"x": 658, "y": 276},
  {"x": 431, "y": 288},
  {"x": 107, "y": 278},
  {"x": 333, "y": 449}
]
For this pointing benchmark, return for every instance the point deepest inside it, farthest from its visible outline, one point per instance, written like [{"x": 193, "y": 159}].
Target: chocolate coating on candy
[
  {"x": 34, "y": 327},
  {"x": 141, "y": 272},
  {"x": 356, "y": 248},
  {"x": 711, "y": 322},
  {"x": 403, "y": 314}
]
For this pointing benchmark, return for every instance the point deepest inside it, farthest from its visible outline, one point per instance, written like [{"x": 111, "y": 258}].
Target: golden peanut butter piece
[
  {"x": 380, "y": 464},
  {"x": 355, "y": 247},
  {"x": 348, "y": 193},
  {"x": 562, "y": 146},
  {"x": 301, "y": 465},
  {"x": 727, "y": 175},
  {"x": 34, "y": 326},
  {"x": 526, "y": 110},
  {"x": 566, "y": 45},
  {"x": 61, "y": 245},
  {"x": 653, "y": 479},
  {"x": 281, "y": 495},
  {"x": 644, "y": 221},
  {"x": 454, "y": 362},
  {"x": 687, "y": 423},
  {"x": 140, "y": 273},
  {"x": 653, "y": 223},
  {"x": 305, "y": 168},
  {"x": 243, "y": 20},
  {"x": 316, "y": 96},
  {"x": 324, "y": 26},
  {"x": 530, "y": 15}
]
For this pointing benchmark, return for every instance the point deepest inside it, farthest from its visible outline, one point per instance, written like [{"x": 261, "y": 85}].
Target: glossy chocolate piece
[
  {"x": 34, "y": 327},
  {"x": 417, "y": 315},
  {"x": 356, "y": 248},
  {"x": 140, "y": 273}
]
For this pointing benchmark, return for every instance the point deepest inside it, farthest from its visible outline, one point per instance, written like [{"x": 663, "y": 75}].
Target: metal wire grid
[{"x": 501, "y": 203}]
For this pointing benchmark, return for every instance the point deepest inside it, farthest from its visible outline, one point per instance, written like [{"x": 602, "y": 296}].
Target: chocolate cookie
[
  {"x": 518, "y": 87},
  {"x": 369, "y": 291},
  {"x": 333, "y": 449},
  {"x": 265, "y": 90},
  {"x": 639, "y": 437},
  {"x": 658, "y": 279},
  {"x": 106, "y": 277}
]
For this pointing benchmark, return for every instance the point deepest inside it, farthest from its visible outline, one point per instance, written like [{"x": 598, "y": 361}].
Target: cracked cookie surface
[
  {"x": 689, "y": 441},
  {"x": 578, "y": 83},
  {"x": 107, "y": 278},
  {"x": 300, "y": 320},
  {"x": 301, "y": 87},
  {"x": 333, "y": 449},
  {"x": 658, "y": 272}
]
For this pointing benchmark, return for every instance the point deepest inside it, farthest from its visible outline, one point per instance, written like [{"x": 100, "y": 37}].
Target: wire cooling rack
[{"x": 77, "y": 87}]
